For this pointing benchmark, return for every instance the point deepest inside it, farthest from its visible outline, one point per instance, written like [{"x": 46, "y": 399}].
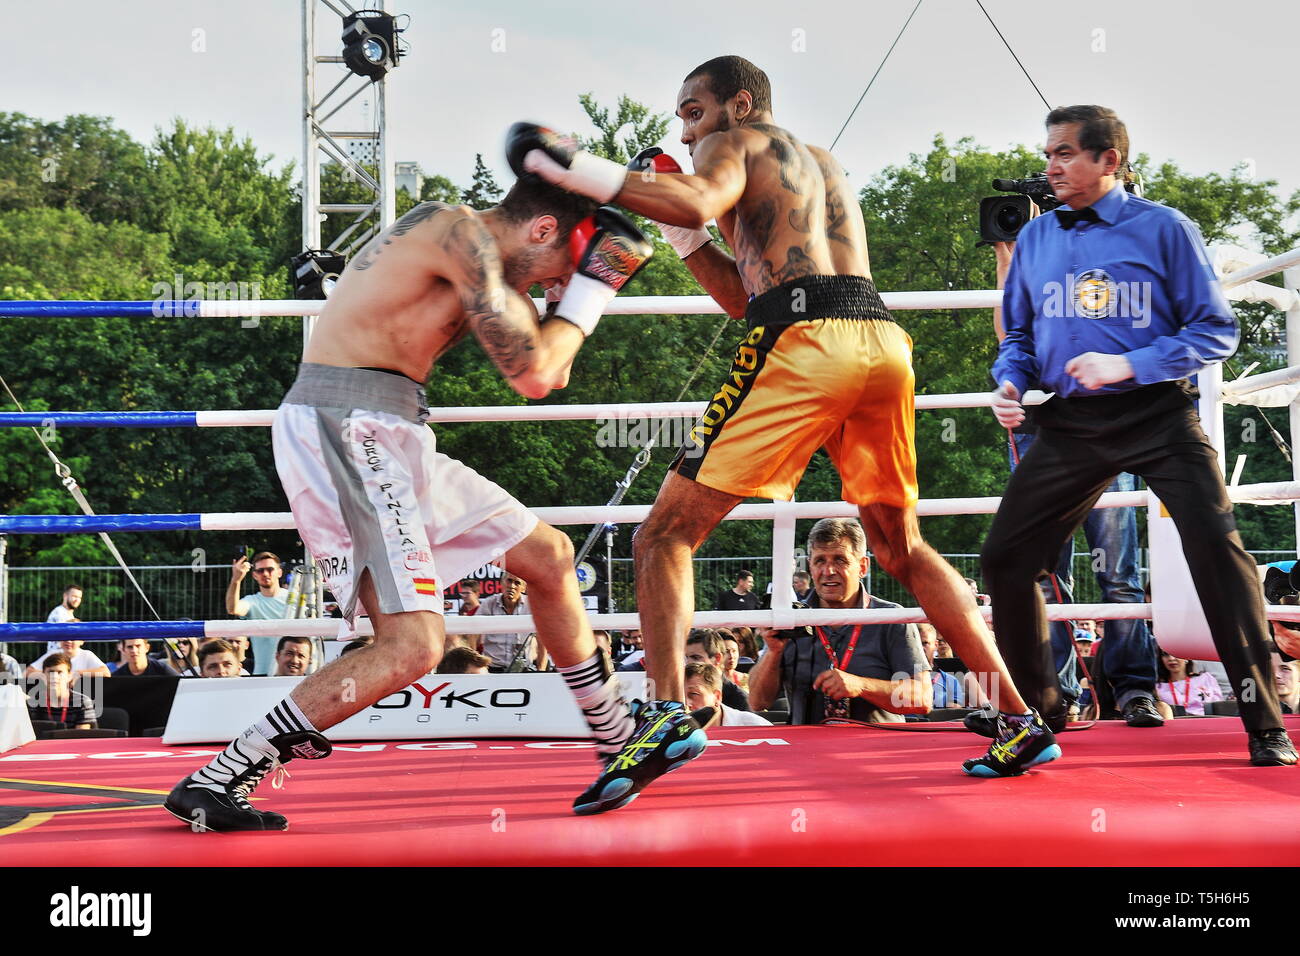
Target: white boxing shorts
[{"x": 370, "y": 491}]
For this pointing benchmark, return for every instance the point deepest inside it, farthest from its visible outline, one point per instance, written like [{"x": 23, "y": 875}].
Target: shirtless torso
[
  {"x": 419, "y": 287},
  {"x": 797, "y": 215}
]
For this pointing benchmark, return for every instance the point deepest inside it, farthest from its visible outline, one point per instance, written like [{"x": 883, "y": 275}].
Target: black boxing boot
[{"x": 215, "y": 797}]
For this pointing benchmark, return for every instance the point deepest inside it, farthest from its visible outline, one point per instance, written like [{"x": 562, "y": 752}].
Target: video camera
[
  {"x": 1283, "y": 587},
  {"x": 1002, "y": 217}
]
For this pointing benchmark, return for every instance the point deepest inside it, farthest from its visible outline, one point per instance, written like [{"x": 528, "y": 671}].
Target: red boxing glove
[
  {"x": 684, "y": 241},
  {"x": 608, "y": 250}
]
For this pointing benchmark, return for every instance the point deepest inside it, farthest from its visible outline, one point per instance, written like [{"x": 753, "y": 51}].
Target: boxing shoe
[
  {"x": 215, "y": 797},
  {"x": 1021, "y": 743},
  {"x": 1272, "y": 748},
  {"x": 666, "y": 737},
  {"x": 979, "y": 722}
]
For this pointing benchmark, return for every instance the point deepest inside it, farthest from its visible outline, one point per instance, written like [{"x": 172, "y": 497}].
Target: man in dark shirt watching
[
  {"x": 134, "y": 660},
  {"x": 741, "y": 597},
  {"x": 867, "y": 672},
  {"x": 1111, "y": 303},
  {"x": 55, "y": 700}
]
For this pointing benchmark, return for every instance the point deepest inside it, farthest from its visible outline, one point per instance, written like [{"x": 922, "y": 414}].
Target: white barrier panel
[
  {"x": 435, "y": 707},
  {"x": 15, "y": 722},
  {"x": 1176, "y": 616}
]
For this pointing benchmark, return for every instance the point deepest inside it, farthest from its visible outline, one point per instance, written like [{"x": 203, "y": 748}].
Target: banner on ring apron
[
  {"x": 15, "y": 722},
  {"x": 1177, "y": 619},
  {"x": 437, "y": 706}
]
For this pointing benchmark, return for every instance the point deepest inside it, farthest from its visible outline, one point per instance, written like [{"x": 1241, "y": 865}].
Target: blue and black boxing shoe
[
  {"x": 666, "y": 737},
  {"x": 1021, "y": 743}
]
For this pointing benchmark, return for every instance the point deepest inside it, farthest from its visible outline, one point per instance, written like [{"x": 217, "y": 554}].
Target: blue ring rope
[
  {"x": 159, "y": 308},
  {"x": 99, "y": 630},
  {"x": 71, "y": 524},
  {"x": 100, "y": 419}
]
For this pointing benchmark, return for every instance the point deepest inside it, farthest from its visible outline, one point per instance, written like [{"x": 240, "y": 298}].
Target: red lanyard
[
  {"x": 62, "y": 714},
  {"x": 1187, "y": 694},
  {"x": 848, "y": 654}
]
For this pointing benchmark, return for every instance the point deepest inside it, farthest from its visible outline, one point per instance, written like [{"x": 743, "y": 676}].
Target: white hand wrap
[
  {"x": 588, "y": 175},
  {"x": 683, "y": 240},
  {"x": 584, "y": 302}
]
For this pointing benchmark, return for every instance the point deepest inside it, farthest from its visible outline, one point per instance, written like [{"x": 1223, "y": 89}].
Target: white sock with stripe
[
  {"x": 596, "y": 689},
  {"x": 253, "y": 745}
]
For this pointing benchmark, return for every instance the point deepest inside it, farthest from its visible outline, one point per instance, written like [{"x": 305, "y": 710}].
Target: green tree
[
  {"x": 647, "y": 128},
  {"x": 81, "y": 162},
  {"x": 483, "y": 190}
]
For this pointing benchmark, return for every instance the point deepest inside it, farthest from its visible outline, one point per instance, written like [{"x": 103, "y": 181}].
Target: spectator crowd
[{"x": 803, "y": 675}]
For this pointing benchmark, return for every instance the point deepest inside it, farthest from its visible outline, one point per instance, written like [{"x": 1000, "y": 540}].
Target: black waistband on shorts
[
  {"x": 817, "y": 297},
  {"x": 377, "y": 390}
]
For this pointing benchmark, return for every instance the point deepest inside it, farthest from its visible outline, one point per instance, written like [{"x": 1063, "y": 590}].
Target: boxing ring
[{"x": 1181, "y": 795}]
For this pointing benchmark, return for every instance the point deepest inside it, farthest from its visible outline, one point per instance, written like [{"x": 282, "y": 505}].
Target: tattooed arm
[
  {"x": 680, "y": 199},
  {"x": 716, "y": 271},
  {"x": 534, "y": 357}
]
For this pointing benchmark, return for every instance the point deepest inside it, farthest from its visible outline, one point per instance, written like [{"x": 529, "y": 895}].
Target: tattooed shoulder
[{"x": 414, "y": 217}]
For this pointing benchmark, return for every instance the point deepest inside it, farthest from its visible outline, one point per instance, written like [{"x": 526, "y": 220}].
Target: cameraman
[
  {"x": 1111, "y": 303},
  {"x": 1112, "y": 534}
]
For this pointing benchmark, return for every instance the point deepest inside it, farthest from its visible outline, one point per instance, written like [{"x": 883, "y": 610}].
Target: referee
[{"x": 1111, "y": 303}]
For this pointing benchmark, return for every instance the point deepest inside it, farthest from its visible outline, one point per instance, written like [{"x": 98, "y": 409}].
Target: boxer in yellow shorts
[
  {"x": 822, "y": 364},
  {"x": 798, "y": 384}
]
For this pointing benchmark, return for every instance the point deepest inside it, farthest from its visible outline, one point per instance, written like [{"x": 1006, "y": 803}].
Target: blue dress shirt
[{"x": 1138, "y": 283}]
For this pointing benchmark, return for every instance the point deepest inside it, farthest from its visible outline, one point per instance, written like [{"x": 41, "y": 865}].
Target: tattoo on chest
[{"x": 421, "y": 213}]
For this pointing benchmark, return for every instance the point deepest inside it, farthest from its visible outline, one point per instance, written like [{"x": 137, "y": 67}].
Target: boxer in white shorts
[
  {"x": 369, "y": 491},
  {"x": 389, "y": 520}
]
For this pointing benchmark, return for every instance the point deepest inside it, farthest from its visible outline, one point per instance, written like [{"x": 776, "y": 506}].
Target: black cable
[
  {"x": 1014, "y": 57},
  {"x": 876, "y": 74}
]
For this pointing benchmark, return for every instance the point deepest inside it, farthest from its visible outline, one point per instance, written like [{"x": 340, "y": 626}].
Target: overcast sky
[{"x": 1203, "y": 83}]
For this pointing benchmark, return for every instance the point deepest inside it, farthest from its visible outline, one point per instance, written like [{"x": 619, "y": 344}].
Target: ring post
[
  {"x": 1291, "y": 279},
  {"x": 783, "y": 565}
]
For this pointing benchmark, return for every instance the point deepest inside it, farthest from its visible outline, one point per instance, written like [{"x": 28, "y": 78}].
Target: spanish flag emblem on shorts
[{"x": 426, "y": 586}]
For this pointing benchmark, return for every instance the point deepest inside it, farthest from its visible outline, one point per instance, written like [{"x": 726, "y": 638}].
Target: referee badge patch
[{"x": 1096, "y": 294}]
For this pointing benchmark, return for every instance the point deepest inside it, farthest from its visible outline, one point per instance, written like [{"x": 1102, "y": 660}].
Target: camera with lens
[
  {"x": 1002, "y": 217},
  {"x": 1281, "y": 587}
]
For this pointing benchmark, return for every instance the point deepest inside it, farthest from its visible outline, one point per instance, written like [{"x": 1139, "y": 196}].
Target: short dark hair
[
  {"x": 74, "y": 587},
  {"x": 356, "y": 645},
  {"x": 532, "y": 196},
  {"x": 707, "y": 673},
  {"x": 1100, "y": 129},
  {"x": 744, "y": 573},
  {"x": 55, "y": 659},
  {"x": 291, "y": 640},
  {"x": 728, "y": 75},
  {"x": 708, "y": 640},
  {"x": 216, "y": 646},
  {"x": 459, "y": 660},
  {"x": 267, "y": 554}
]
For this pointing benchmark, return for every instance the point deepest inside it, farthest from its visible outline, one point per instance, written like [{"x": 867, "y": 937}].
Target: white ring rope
[{"x": 336, "y": 628}]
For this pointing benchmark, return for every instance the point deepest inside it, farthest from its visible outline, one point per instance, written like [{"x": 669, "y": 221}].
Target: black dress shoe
[
  {"x": 1141, "y": 712},
  {"x": 1272, "y": 748}
]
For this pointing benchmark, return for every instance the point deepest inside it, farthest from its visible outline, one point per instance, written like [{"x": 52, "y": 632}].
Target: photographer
[
  {"x": 269, "y": 603},
  {"x": 1110, "y": 304},
  {"x": 867, "y": 672}
]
